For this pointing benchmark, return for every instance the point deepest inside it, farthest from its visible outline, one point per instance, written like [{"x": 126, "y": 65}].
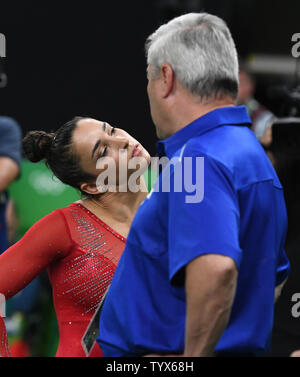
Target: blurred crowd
[{"x": 279, "y": 136}]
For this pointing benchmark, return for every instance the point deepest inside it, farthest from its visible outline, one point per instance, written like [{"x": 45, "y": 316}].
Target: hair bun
[{"x": 37, "y": 144}]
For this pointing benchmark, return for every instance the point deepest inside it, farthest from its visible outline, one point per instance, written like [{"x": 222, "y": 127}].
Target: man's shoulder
[
  {"x": 236, "y": 151},
  {"x": 10, "y": 139},
  {"x": 9, "y": 124},
  {"x": 226, "y": 144}
]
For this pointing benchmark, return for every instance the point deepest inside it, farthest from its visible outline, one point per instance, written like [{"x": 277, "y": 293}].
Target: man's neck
[{"x": 188, "y": 111}]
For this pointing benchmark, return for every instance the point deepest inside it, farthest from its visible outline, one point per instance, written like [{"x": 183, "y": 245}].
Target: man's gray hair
[{"x": 200, "y": 49}]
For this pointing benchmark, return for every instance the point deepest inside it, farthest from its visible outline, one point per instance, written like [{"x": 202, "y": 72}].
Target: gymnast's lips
[{"x": 137, "y": 150}]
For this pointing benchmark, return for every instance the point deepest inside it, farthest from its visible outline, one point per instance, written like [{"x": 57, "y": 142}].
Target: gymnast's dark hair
[{"x": 57, "y": 151}]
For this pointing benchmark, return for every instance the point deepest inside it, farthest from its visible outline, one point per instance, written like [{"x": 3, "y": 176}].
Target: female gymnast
[{"x": 80, "y": 245}]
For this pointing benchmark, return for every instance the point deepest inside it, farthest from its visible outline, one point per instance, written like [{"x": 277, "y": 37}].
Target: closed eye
[{"x": 103, "y": 154}]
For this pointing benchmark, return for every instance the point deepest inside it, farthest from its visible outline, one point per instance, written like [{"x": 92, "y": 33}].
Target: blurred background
[{"x": 87, "y": 58}]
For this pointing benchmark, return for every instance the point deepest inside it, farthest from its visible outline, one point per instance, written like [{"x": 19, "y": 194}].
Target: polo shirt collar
[{"x": 231, "y": 115}]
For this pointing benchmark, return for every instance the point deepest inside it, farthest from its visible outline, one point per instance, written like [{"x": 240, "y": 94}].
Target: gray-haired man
[{"x": 198, "y": 275}]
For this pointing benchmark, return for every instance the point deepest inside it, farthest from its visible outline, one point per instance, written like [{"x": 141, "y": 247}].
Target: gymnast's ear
[{"x": 90, "y": 188}]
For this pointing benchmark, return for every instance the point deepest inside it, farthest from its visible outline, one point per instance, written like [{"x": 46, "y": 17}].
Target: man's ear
[
  {"x": 89, "y": 188},
  {"x": 168, "y": 79}
]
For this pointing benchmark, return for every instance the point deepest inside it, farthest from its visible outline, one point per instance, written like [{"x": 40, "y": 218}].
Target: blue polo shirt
[{"x": 237, "y": 209}]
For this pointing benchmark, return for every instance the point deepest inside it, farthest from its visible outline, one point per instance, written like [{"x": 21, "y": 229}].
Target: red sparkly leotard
[{"x": 81, "y": 254}]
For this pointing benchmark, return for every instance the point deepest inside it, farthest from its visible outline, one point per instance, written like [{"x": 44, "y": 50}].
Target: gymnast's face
[{"x": 97, "y": 142}]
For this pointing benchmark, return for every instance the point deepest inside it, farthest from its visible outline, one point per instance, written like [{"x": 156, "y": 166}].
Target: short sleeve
[
  {"x": 10, "y": 139},
  {"x": 283, "y": 267},
  {"x": 204, "y": 215}
]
